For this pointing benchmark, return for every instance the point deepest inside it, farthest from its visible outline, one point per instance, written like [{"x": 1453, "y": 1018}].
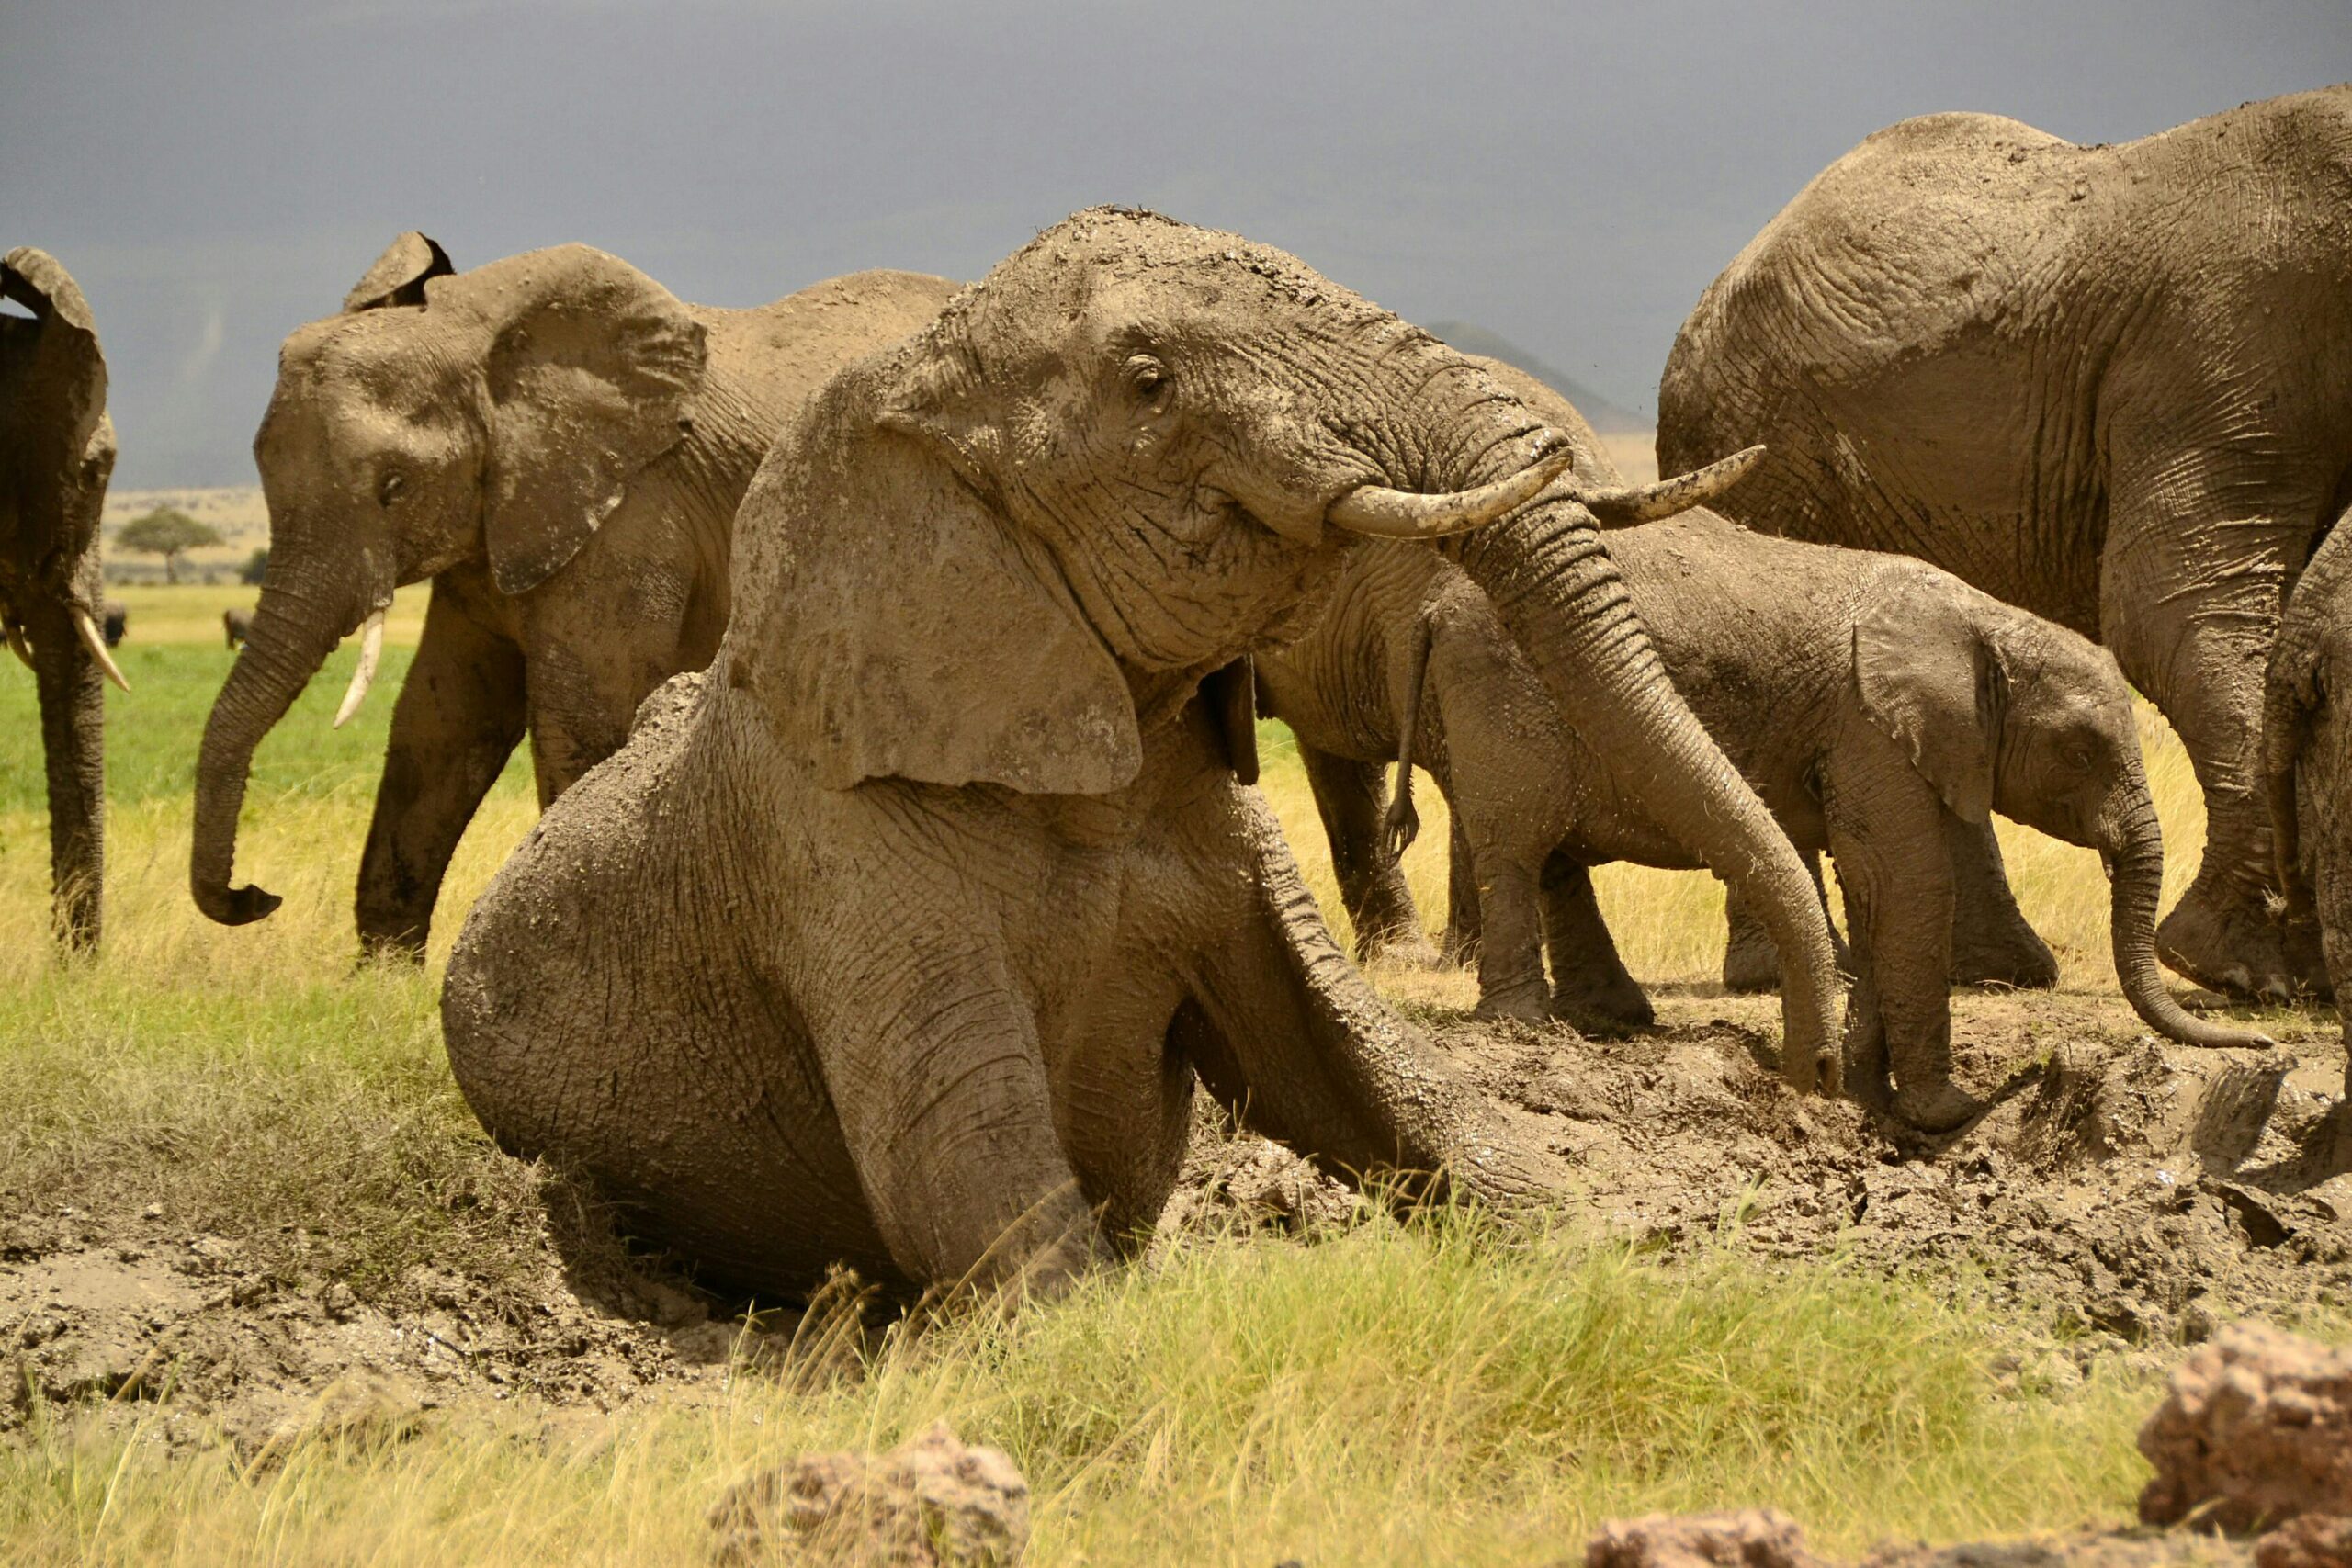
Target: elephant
[
  {"x": 2307, "y": 741},
  {"x": 2112, "y": 385},
  {"x": 117, "y": 625},
  {"x": 1882, "y": 708},
  {"x": 559, "y": 444},
  {"x": 899, "y": 936},
  {"x": 236, "y": 626},
  {"x": 57, "y": 452}
]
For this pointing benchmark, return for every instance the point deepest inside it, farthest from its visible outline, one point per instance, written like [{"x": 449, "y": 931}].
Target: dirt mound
[
  {"x": 2152, "y": 1191},
  {"x": 2256, "y": 1429}
]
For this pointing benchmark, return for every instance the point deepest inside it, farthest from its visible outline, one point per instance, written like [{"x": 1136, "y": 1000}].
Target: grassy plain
[{"x": 1444, "y": 1391}]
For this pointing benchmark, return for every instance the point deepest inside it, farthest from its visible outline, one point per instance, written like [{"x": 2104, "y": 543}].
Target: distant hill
[{"x": 1610, "y": 419}]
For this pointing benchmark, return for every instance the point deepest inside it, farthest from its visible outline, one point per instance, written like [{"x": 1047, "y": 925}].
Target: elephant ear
[
  {"x": 399, "y": 274},
  {"x": 590, "y": 378},
  {"x": 901, "y": 626},
  {"x": 1931, "y": 676},
  {"x": 68, "y": 341}
]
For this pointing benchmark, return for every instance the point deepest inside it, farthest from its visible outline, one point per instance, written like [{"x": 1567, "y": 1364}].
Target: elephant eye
[
  {"x": 389, "y": 488},
  {"x": 1150, "y": 380}
]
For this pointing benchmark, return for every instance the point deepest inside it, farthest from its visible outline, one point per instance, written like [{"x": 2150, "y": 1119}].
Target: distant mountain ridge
[{"x": 1609, "y": 418}]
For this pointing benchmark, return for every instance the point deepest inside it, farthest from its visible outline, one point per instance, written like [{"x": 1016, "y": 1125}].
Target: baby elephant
[
  {"x": 236, "y": 623},
  {"x": 1881, "y": 707}
]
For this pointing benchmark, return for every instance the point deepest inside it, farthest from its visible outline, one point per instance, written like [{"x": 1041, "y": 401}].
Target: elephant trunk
[
  {"x": 72, "y": 722},
  {"x": 1551, "y": 579},
  {"x": 2132, "y": 844},
  {"x": 293, "y": 631}
]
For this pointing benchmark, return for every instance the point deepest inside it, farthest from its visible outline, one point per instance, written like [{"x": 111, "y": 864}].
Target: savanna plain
[{"x": 267, "y": 1294}]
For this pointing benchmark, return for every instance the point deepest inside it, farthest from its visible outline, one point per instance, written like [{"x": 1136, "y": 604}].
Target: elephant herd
[{"x": 890, "y": 658}]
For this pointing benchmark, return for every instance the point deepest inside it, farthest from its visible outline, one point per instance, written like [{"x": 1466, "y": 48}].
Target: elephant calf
[{"x": 1882, "y": 708}]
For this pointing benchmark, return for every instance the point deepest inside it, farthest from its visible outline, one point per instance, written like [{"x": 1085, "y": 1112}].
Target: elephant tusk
[
  {"x": 371, "y": 648},
  {"x": 1648, "y": 504},
  {"x": 98, "y": 646},
  {"x": 19, "y": 646},
  {"x": 1402, "y": 515}
]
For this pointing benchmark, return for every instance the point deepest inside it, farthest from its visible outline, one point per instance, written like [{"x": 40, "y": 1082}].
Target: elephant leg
[
  {"x": 1588, "y": 979},
  {"x": 1464, "y": 932},
  {"x": 1510, "y": 953},
  {"x": 1750, "y": 961},
  {"x": 1288, "y": 1034},
  {"x": 1991, "y": 942},
  {"x": 460, "y": 714},
  {"x": 1351, "y": 797},
  {"x": 932, "y": 1064},
  {"x": 2198, "y": 548},
  {"x": 73, "y": 731},
  {"x": 1886, "y": 830}
]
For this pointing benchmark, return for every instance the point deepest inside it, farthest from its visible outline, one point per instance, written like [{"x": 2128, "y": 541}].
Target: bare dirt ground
[{"x": 2131, "y": 1192}]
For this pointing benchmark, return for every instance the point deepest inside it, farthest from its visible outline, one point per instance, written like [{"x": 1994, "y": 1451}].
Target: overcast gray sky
[{"x": 1568, "y": 175}]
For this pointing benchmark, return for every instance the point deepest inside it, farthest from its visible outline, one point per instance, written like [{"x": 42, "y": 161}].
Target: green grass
[{"x": 1446, "y": 1392}]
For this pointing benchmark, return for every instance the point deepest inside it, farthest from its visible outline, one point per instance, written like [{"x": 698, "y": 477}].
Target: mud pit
[{"x": 2134, "y": 1190}]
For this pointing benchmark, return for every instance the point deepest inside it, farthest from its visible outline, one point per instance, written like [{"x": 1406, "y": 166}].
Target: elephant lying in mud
[
  {"x": 559, "y": 444},
  {"x": 1882, "y": 708},
  {"x": 899, "y": 936},
  {"x": 2110, "y": 383},
  {"x": 56, "y": 454},
  {"x": 2307, "y": 732}
]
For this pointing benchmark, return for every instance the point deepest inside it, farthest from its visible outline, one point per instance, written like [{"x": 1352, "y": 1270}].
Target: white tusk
[
  {"x": 1651, "y": 504},
  {"x": 91, "y": 635},
  {"x": 19, "y": 646},
  {"x": 371, "y": 648},
  {"x": 1402, "y": 515}
]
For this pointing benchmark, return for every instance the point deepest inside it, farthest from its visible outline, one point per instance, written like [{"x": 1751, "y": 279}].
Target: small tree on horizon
[{"x": 169, "y": 534}]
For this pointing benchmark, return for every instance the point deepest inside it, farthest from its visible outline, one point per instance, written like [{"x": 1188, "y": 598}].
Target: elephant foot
[
  {"x": 2238, "y": 951},
  {"x": 1937, "y": 1106},
  {"x": 1526, "y": 1004},
  {"x": 1457, "y": 950},
  {"x": 402, "y": 949},
  {"x": 1398, "y": 949},
  {"x": 2018, "y": 958},
  {"x": 1751, "y": 966},
  {"x": 1604, "y": 1009}
]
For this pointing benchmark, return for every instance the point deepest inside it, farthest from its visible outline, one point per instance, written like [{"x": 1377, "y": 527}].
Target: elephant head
[
  {"x": 57, "y": 452},
  {"x": 1138, "y": 450},
  {"x": 2003, "y": 711},
  {"x": 493, "y": 416},
  {"x": 2307, "y": 741}
]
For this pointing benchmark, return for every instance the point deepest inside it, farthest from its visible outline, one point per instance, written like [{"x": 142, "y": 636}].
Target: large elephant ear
[
  {"x": 901, "y": 626},
  {"x": 69, "y": 339},
  {"x": 1931, "y": 674},
  {"x": 399, "y": 274},
  {"x": 590, "y": 378}
]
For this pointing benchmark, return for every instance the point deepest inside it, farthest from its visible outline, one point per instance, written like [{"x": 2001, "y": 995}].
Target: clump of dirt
[{"x": 930, "y": 1503}]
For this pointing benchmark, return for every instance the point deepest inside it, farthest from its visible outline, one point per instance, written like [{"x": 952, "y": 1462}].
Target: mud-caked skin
[
  {"x": 901, "y": 934},
  {"x": 559, "y": 444},
  {"x": 2307, "y": 735},
  {"x": 2113, "y": 384},
  {"x": 57, "y": 452},
  {"x": 1881, "y": 707}
]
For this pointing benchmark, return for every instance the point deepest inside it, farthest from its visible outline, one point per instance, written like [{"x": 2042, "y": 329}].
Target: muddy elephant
[
  {"x": 899, "y": 936},
  {"x": 56, "y": 454},
  {"x": 2307, "y": 733},
  {"x": 559, "y": 444},
  {"x": 236, "y": 626},
  {"x": 1882, "y": 709},
  {"x": 2110, "y": 383}
]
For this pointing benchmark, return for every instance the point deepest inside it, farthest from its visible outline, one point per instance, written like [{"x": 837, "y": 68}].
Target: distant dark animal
[
  {"x": 118, "y": 621},
  {"x": 237, "y": 624}
]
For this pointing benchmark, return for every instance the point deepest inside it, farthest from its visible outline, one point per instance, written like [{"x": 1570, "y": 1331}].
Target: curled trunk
[
  {"x": 2135, "y": 850},
  {"x": 290, "y": 636},
  {"x": 1552, "y": 582}
]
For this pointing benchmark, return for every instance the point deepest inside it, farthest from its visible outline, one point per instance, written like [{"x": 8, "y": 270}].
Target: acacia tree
[{"x": 169, "y": 534}]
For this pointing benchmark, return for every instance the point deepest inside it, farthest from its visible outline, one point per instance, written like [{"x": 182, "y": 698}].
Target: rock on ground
[
  {"x": 1752, "y": 1537},
  {"x": 929, "y": 1503},
  {"x": 2256, "y": 1430}
]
